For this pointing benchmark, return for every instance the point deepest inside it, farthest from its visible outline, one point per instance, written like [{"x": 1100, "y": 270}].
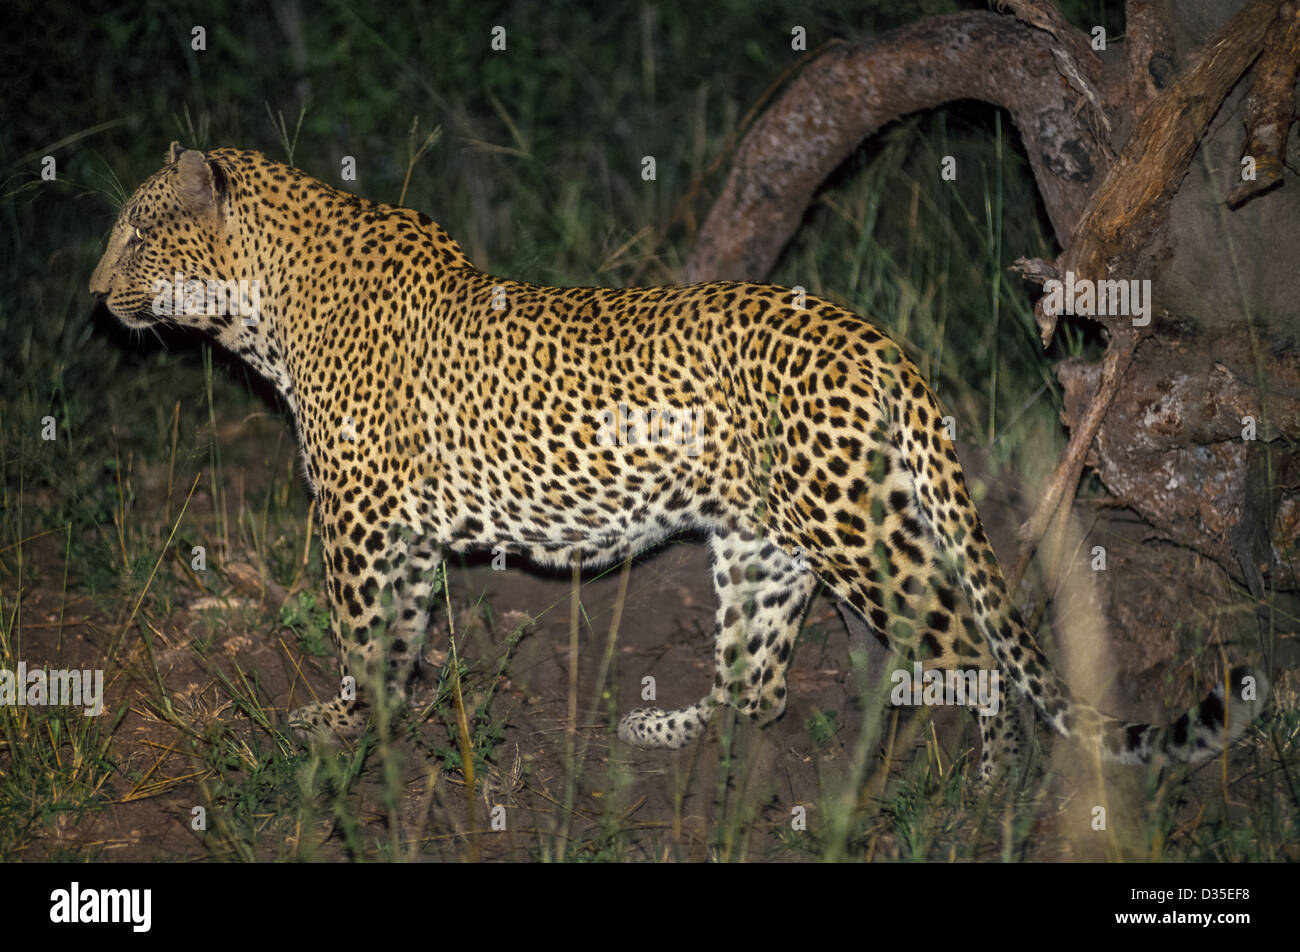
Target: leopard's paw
[{"x": 328, "y": 722}]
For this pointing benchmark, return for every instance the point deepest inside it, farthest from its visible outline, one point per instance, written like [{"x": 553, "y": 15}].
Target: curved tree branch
[
  {"x": 1075, "y": 59},
  {"x": 849, "y": 92}
]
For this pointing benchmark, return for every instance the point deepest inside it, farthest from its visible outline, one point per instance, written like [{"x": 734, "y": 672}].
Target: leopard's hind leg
[
  {"x": 1006, "y": 739},
  {"x": 762, "y": 595},
  {"x": 887, "y": 565}
]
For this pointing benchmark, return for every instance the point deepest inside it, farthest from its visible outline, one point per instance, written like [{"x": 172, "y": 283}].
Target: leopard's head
[{"x": 168, "y": 256}]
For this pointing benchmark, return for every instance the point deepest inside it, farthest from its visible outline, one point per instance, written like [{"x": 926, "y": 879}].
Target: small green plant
[
  {"x": 486, "y": 730},
  {"x": 821, "y": 728},
  {"x": 310, "y": 623}
]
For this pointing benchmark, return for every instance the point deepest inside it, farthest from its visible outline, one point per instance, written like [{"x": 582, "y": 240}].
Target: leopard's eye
[{"x": 137, "y": 234}]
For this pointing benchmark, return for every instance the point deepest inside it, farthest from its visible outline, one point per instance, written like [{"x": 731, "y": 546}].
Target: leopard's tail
[{"x": 1200, "y": 733}]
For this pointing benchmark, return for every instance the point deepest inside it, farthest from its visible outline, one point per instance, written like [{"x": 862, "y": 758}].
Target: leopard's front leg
[{"x": 381, "y": 586}]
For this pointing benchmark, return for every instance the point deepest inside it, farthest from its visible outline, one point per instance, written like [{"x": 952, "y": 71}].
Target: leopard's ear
[
  {"x": 196, "y": 183},
  {"x": 174, "y": 152}
]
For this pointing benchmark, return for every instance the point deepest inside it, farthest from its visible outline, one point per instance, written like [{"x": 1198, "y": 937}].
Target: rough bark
[{"x": 1150, "y": 51}]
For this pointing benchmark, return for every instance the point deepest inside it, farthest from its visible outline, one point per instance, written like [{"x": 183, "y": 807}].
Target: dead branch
[
  {"x": 1120, "y": 215},
  {"x": 1270, "y": 106},
  {"x": 1068, "y": 469}
]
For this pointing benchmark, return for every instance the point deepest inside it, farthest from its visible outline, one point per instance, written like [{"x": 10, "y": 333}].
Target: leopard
[{"x": 441, "y": 410}]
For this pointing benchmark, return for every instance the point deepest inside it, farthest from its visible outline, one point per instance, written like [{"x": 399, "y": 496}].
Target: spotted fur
[{"x": 440, "y": 408}]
